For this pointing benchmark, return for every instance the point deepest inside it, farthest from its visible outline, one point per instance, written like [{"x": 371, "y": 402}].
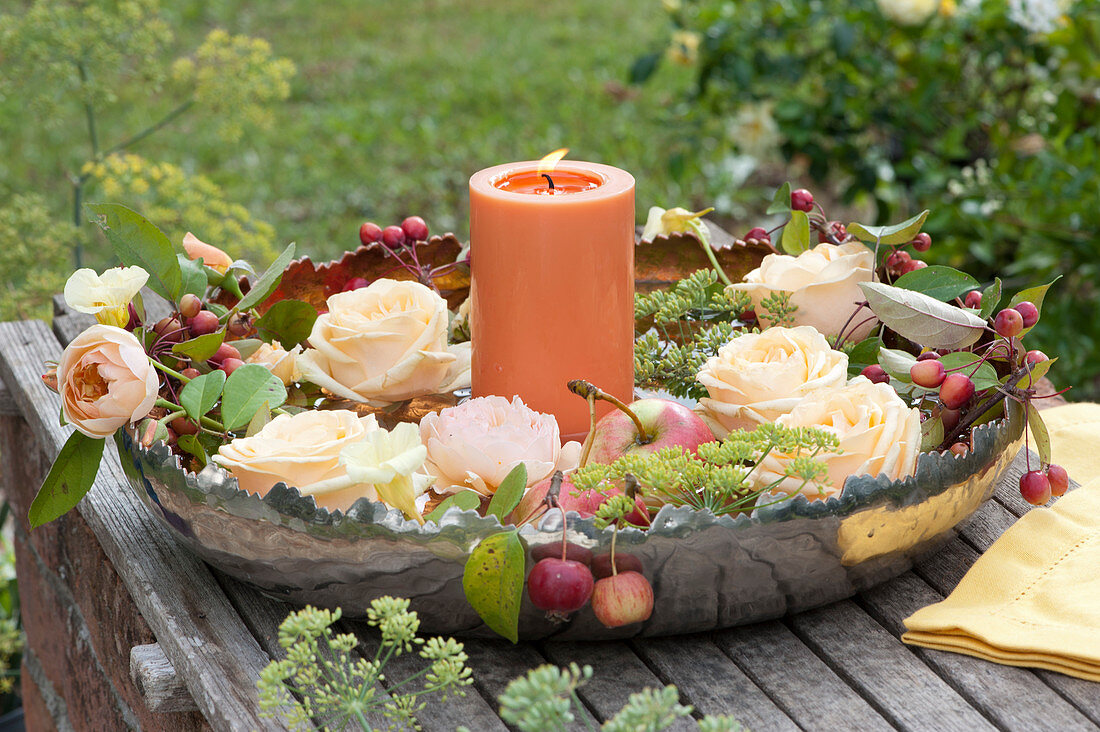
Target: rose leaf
[
  {"x": 991, "y": 298},
  {"x": 193, "y": 276},
  {"x": 463, "y": 500},
  {"x": 70, "y": 478},
  {"x": 863, "y": 354},
  {"x": 201, "y": 347},
  {"x": 288, "y": 321},
  {"x": 931, "y": 433},
  {"x": 200, "y": 394},
  {"x": 508, "y": 493},
  {"x": 136, "y": 241},
  {"x": 191, "y": 444},
  {"x": 268, "y": 281},
  {"x": 246, "y": 391},
  {"x": 896, "y": 234},
  {"x": 493, "y": 581},
  {"x": 781, "y": 203},
  {"x": 980, "y": 372},
  {"x": 796, "y": 234},
  {"x": 923, "y": 319},
  {"x": 1039, "y": 432},
  {"x": 941, "y": 283}
]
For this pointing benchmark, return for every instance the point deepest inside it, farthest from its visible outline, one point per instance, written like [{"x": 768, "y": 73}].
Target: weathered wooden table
[{"x": 126, "y": 629}]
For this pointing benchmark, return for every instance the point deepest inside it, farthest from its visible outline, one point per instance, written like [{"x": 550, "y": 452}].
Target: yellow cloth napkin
[{"x": 1033, "y": 599}]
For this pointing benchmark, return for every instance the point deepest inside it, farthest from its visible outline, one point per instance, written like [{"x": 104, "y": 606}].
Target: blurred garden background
[{"x": 253, "y": 124}]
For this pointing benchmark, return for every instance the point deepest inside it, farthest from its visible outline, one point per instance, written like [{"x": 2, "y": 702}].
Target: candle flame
[{"x": 546, "y": 165}]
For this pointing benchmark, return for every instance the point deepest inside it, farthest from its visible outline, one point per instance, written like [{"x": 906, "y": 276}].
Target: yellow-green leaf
[
  {"x": 509, "y": 492},
  {"x": 493, "y": 581},
  {"x": 71, "y": 476},
  {"x": 796, "y": 234},
  {"x": 463, "y": 500},
  {"x": 896, "y": 234}
]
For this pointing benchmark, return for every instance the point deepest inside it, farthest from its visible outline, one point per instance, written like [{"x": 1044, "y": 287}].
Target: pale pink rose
[
  {"x": 823, "y": 283},
  {"x": 879, "y": 435},
  {"x": 210, "y": 255},
  {"x": 302, "y": 450},
  {"x": 380, "y": 344},
  {"x": 280, "y": 362},
  {"x": 757, "y": 377},
  {"x": 105, "y": 380},
  {"x": 476, "y": 444}
]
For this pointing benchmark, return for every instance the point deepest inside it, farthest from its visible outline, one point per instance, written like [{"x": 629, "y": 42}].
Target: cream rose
[
  {"x": 476, "y": 444},
  {"x": 380, "y": 344},
  {"x": 280, "y": 362},
  {"x": 823, "y": 283},
  {"x": 757, "y": 377},
  {"x": 105, "y": 296},
  {"x": 105, "y": 381},
  {"x": 304, "y": 451},
  {"x": 879, "y": 434}
]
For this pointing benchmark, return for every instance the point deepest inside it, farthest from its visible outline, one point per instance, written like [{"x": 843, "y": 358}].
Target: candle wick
[{"x": 548, "y": 180}]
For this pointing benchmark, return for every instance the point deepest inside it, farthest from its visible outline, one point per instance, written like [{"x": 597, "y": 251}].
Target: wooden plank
[
  {"x": 470, "y": 710},
  {"x": 796, "y": 680},
  {"x": 156, "y": 680},
  {"x": 710, "y": 682},
  {"x": 618, "y": 673},
  {"x": 67, "y": 327},
  {"x": 1011, "y": 697},
  {"x": 8, "y": 407},
  {"x": 199, "y": 631},
  {"x": 885, "y": 672}
]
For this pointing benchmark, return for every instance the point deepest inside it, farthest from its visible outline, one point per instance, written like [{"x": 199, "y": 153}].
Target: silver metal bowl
[{"x": 706, "y": 572}]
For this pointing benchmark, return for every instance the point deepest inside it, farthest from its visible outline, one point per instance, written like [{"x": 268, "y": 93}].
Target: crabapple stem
[
  {"x": 171, "y": 372},
  {"x": 591, "y": 430}
]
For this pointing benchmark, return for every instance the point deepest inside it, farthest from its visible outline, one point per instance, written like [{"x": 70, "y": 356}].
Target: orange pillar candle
[{"x": 553, "y": 285}]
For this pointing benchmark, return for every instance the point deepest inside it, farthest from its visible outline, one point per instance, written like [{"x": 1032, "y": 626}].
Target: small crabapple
[
  {"x": 912, "y": 266},
  {"x": 230, "y": 365},
  {"x": 190, "y": 305},
  {"x": 876, "y": 374},
  {"x": 802, "y": 200},
  {"x": 1036, "y": 356},
  {"x": 415, "y": 228},
  {"x": 370, "y": 232},
  {"x": 758, "y": 233},
  {"x": 956, "y": 390},
  {"x": 393, "y": 236},
  {"x": 1009, "y": 323},
  {"x": 922, "y": 242},
  {"x": 203, "y": 323},
  {"x": 897, "y": 259},
  {"x": 929, "y": 373},
  {"x": 1035, "y": 488},
  {"x": 973, "y": 300},
  {"x": 623, "y": 598},
  {"x": 559, "y": 586},
  {"x": 1058, "y": 479},
  {"x": 1029, "y": 312}
]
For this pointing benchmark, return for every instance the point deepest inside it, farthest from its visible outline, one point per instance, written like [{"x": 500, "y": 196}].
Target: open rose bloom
[{"x": 105, "y": 381}]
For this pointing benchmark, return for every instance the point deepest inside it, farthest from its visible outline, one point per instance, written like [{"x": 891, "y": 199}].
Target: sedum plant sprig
[
  {"x": 545, "y": 699},
  {"x": 721, "y": 477},
  {"x": 321, "y": 683}
]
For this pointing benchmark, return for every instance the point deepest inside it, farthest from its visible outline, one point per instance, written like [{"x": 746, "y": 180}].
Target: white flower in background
[
  {"x": 105, "y": 296},
  {"x": 754, "y": 129},
  {"x": 908, "y": 12},
  {"x": 684, "y": 49},
  {"x": 1038, "y": 16},
  {"x": 387, "y": 461},
  {"x": 662, "y": 221}
]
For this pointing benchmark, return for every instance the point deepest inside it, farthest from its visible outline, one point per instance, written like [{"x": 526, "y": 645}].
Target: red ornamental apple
[
  {"x": 1035, "y": 487},
  {"x": 666, "y": 423},
  {"x": 622, "y": 599},
  {"x": 559, "y": 586}
]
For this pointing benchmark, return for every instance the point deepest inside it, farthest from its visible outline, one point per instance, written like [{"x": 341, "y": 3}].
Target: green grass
[{"x": 395, "y": 105}]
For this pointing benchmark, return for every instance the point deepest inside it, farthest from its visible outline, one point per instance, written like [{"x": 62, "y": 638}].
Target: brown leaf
[
  {"x": 315, "y": 283},
  {"x": 660, "y": 263}
]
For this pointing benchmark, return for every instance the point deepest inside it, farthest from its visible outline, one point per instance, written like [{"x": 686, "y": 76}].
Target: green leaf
[
  {"x": 942, "y": 283},
  {"x": 71, "y": 476},
  {"x": 245, "y": 392},
  {"x": 923, "y": 319},
  {"x": 991, "y": 298},
  {"x": 247, "y": 346},
  {"x": 493, "y": 581},
  {"x": 644, "y": 66},
  {"x": 137, "y": 241},
  {"x": 288, "y": 321},
  {"x": 200, "y": 394},
  {"x": 1039, "y": 432},
  {"x": 193, "y": 278},
  {"x": 796, "y": 234},
  {"x": 191, "y": 445},
  {"x": 1038, "y": 371},
  {"x": 781, "y": 203},
  {"x": 464, "y": 500},
  {"x": 1034, "y": 295},
  {"x": 509, "y": 492},
  {"x": 261, "y": 418},
  {"x": 983, "y": 376},
  {"x": 200, "y": 348},
  {"x": 268, "y": 281},
  {"x": 864, "y": 353},
  {"x": 897, "y": 363},
  {"x": 896, "y": 234},
  {"x": 931, "y": 433}
]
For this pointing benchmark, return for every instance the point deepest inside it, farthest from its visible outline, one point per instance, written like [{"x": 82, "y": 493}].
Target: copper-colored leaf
[
  {"x": 412, "y": 410},
  {"x": 660, "y": 263},
  {"x": 315, "y": 283}
]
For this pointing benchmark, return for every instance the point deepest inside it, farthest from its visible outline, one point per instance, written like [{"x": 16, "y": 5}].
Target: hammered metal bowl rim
[{"x": 858, "y": 491}]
